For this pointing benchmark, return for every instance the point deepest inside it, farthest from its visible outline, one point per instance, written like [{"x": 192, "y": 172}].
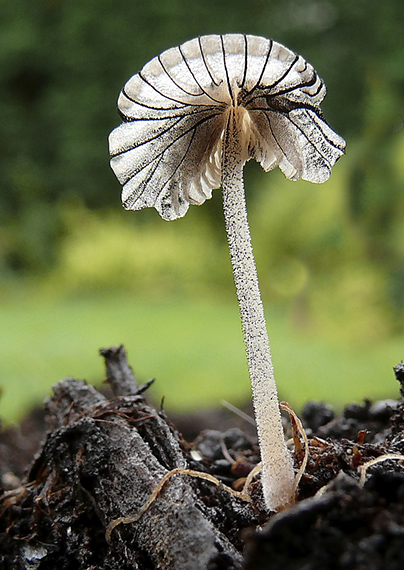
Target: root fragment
[
  {"x": 298, "y": 428},
  {"x": 190, "y": 472},
  {"x": 363, "y": 468}
]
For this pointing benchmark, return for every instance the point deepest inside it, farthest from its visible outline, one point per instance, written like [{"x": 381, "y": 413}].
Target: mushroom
[{"x": 192, "y": 117}]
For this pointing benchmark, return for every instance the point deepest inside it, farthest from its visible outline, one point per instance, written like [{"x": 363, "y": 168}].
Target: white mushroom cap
[{"x": 167, "y": 153}]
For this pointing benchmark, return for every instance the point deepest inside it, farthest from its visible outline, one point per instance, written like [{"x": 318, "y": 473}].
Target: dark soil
[{"x": 93, "y": 458}]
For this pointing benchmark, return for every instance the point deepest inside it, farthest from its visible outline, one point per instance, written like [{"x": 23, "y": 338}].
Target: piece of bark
[
  {"x": 119, "y": 374},
  {"x": 101, "y": 461}
]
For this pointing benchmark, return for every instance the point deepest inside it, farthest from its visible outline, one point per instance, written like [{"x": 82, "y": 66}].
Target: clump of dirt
[{"x": 106, "y": 481}]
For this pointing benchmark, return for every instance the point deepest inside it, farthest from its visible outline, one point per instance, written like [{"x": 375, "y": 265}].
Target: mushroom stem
[{"x": 277, "y": 469}]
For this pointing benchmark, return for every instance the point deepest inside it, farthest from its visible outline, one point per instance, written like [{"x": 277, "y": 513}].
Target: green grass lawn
[{"x": 194, "y": 350}]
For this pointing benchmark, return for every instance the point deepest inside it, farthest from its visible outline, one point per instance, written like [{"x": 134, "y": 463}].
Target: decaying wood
[{"x": 101, "y": 461}]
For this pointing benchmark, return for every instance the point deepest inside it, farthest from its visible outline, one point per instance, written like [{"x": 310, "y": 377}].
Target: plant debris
[{"x": 102, "y": 458}]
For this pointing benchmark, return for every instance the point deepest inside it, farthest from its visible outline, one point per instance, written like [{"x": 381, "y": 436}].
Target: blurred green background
[{"x": 78, "y": 273}]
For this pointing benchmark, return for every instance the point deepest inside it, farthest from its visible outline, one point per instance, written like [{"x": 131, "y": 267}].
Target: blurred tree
[{"x": 63, "y": 63}]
